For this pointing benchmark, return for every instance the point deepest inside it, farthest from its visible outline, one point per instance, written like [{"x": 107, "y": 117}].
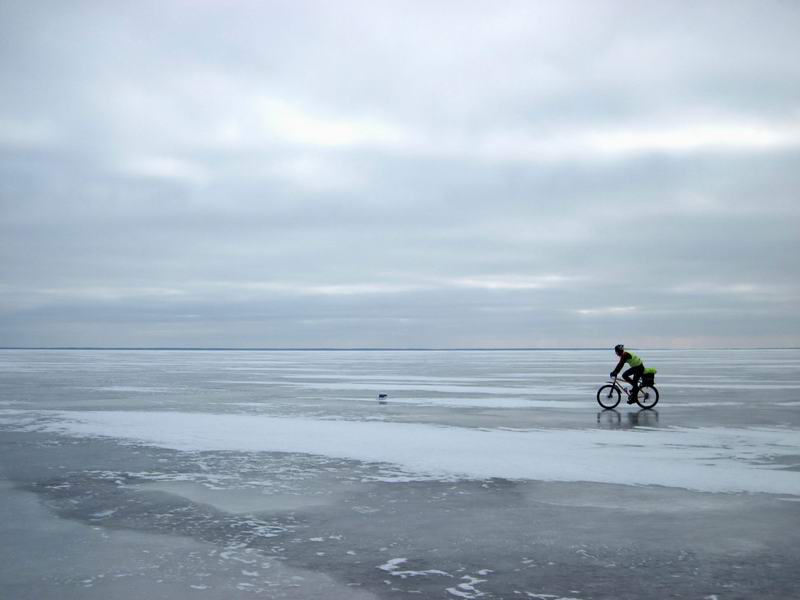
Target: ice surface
[
  {"x": 508, "y": 402},
  {"x": 69, "y": 560},
  {"x": 486, "y": 475}
]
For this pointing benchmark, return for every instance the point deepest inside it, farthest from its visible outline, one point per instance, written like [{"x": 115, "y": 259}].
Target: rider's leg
[
  {"x": 626, "y": 375},
  {"x": 632, "y": 376},
  {"x": 636, "y": 375}
]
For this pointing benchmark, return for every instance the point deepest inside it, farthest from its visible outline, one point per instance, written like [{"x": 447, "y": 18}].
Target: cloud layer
[{"x": 414, "y": 174}]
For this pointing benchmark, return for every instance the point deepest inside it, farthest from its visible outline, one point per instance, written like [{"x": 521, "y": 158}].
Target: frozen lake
[{"x": 486, "y": 474}]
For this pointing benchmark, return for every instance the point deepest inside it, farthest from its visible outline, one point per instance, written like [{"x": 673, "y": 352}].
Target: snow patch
[
  {"x": 392, "y": 565},
  {"x": 712, "y": 459}
]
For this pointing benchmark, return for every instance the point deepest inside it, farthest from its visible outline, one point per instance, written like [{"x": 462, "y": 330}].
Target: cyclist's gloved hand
[{"x": 612, "y": 374}]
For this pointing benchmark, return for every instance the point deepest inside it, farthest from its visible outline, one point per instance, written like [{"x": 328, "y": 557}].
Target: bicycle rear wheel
[
  {"x": 647, "y": 397},
  {"x": 608, "y": 396}
]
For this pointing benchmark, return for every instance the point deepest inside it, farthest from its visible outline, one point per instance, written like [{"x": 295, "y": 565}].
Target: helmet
[{"x": 619, "y": 347}]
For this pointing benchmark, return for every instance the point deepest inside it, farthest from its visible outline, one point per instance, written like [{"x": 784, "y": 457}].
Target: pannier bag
[{"x": 649, "y": 377}]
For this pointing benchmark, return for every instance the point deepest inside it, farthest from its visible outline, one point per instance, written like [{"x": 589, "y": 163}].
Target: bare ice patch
[{"x": 239, "y": 500}]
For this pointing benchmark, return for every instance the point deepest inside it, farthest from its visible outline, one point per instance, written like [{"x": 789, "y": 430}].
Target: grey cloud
[{"x": 358, "y": 174}]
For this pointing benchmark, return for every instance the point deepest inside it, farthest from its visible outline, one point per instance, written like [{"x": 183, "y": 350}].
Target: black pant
[{"x": 633, "y": 375}]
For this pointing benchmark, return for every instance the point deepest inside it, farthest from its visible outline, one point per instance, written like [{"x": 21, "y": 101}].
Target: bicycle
[{"x": 609, "y": 395}]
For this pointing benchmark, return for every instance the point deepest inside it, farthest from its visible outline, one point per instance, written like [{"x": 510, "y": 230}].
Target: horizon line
[{"x": 376, "y": 349}]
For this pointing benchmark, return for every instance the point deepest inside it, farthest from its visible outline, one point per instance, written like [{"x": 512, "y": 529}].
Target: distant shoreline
[{"x": 358, "y": 349}]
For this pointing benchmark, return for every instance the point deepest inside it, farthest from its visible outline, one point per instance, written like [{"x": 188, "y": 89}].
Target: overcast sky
[{"x": 399, "y": 174}]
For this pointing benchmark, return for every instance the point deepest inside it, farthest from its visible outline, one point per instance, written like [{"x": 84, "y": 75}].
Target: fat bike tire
[
  {"x": 647, "y": 396},
  {"x": 608, "y": 396}
]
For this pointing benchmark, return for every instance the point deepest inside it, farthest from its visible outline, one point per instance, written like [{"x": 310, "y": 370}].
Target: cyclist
[{"x": 633, "y": 374}]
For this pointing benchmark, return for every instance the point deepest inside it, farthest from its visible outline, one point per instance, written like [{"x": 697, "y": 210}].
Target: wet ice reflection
[{"x": 612, "y": 418}]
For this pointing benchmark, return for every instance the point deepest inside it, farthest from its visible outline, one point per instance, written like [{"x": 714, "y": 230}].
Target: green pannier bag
[{"x": 649, "y": 376}]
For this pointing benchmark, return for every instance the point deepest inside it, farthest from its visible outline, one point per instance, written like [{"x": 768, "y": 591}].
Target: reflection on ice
[{"x": 611, "y": 418}]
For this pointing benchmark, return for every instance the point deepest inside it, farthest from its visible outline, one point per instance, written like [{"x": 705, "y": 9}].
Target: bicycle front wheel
[
  {"x": 608, "y": 396},
  {"x": 647, "y": 397}
]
